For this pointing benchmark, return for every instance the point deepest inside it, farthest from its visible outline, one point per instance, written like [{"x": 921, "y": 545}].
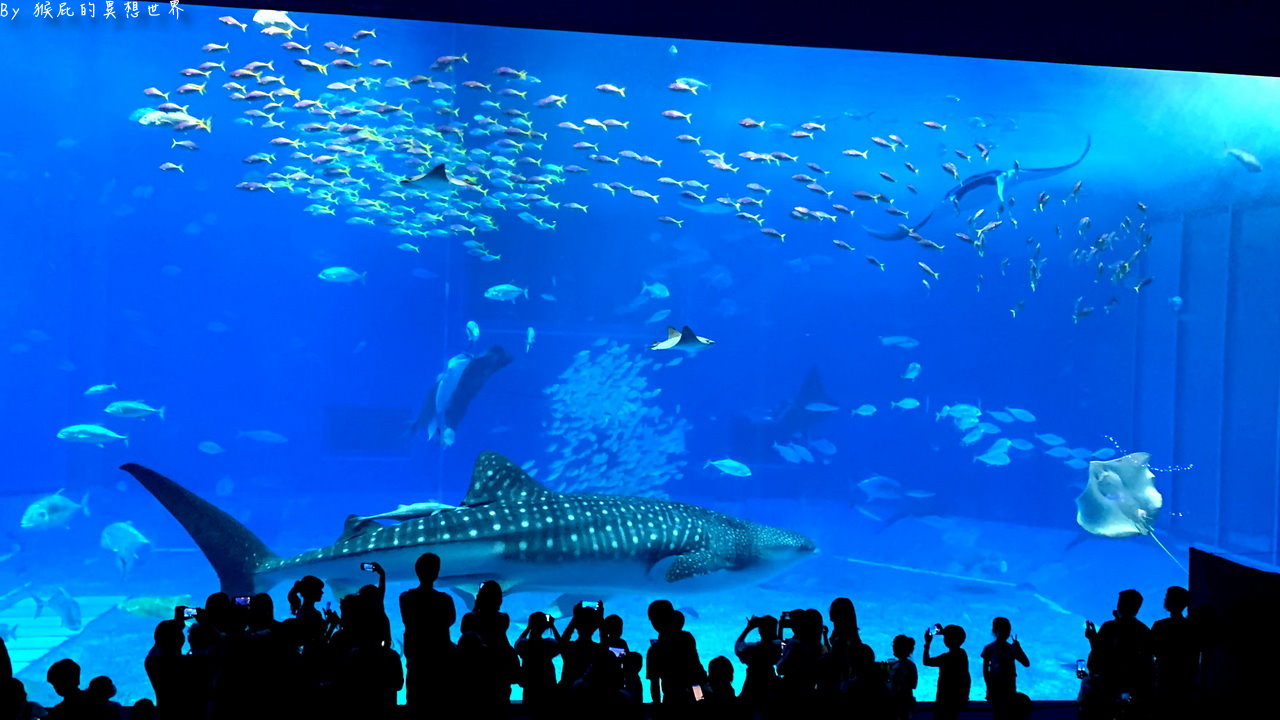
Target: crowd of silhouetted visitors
[{"x": 239, "y": 662}]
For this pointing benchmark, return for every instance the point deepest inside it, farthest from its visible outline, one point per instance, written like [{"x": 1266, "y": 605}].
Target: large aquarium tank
[{"x": 955, "y": 338}]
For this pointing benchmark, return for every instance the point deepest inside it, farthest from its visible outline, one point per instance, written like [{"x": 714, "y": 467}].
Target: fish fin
[
  {"x": 672, "y": 333},
  {"x": 39, "y": 605},
  {"x": 160, "y": 412},
  {"x": 495, "y": 478},
  {"x": 467, "y": 597},
  {"x": 233, "y": 550},
  {"x": 437, "y": 173},
  {"x": 355, "y": 526},
  {"x": 675, "y": 568}
]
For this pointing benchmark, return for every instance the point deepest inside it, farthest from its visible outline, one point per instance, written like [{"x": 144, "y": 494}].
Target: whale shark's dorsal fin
[
  {"x": 495, "y": 478},
  {"x": 356, "y": 525}
]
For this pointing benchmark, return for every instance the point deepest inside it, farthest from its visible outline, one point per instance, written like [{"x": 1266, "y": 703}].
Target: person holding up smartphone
[
  {"x": 536, "y": 652},
  {"x": 953, "y": 672},
  {"x": 1000, "y": 671}
]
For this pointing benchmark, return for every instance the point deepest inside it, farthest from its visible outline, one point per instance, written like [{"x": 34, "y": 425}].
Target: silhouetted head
[
  {"x": 311, "y": 588},
  {"x": 903, "y": 646},
  {"x": 1128, "y": 604},
  {"x": 1176, "y": 599},
  {"x": 864, "y": 658},
  {"x": 842, "y": 614},
  {"x": 469, "y": 624},
  {"x": 14, "y": 690},
  {"x": 144, "y": 709},
  {"x": 953, "y": 636},
  {"x": 201, "y": 637},
  {"x": 586, "y": 620},
  {"x": 64, "y": 676},
  {"x": 676, "y": 620},
  {"x": 169, "y": 636},
  {"x": 427, "y": 568},
  {"x": 768, "y": 626},
  {"x": 1001, "y": 628},
  {"x": 262, "y": 609},
  {"x": 537, "y": 623},
  {"x": 102, "y": 688},
  {"x": 659, "y": 611},
  {"x": 720, "y": 671},
  {"x": 489, "y": 597},
  {"x": 632, "y": 663},
  {"x": 611, "y": 627}
]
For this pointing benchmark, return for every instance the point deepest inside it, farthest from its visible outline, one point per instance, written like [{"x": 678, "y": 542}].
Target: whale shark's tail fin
[{"x": 233, "y": 550}]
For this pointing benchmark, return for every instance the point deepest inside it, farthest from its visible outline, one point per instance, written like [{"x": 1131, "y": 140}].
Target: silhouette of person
[
  {"x": 492, "y": 625},
  {"x": 14, "y": 704},
  {"x": 953, "y": 673},
  {"x": 375, "y": 602},
  {"x": 720, "y": 697},
  {"x": 64, "y": 677},
  {"x": 999, "y": 671},
  {"x": 1120, "y": 662},
  {"x": 143, "y": 709},
  {"x": 578, "y": 649},
  {"x": 632, "y": 685},
  {"x": 659, "y": 613},
  {"x": 903, "y": 678},
  {"x": 428, "y": 651},
  {"x": 536, "y": 652},
  {"x": 760, "y": 686},
  {"x": 1176, "y": 652},
  {"x": 100, "y": 691},
  {"x": 6, "y": 666},
  {"x": 611, "y": 633},
  {"x": 866, "y": 692},
  {"x": 801, "y": 659},
  {"x": 837, "y": 664},
  {"x": 164, "y": 669},
  {"x": 479, "y": 676}
]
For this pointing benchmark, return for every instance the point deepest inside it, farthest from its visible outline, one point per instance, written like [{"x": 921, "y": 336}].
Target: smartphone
[
  {"x": 243, "y": 600},
  {"x": 937, "y": 628},
  {"x": 1081, "y": 671},
  {"x": 190, "y": 613},
  {"x": 593, "y": 604},
  {"x": 367, "y": 567},
  {"x": 618, "y": 652},
  {"x": 697, "y": 692}
]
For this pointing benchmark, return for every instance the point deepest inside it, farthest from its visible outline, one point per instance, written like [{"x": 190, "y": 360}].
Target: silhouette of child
[
  {"x": 953, "y": 673},
  {"x": 903, "y": 677},
  {"x": 999, "y": 671}
]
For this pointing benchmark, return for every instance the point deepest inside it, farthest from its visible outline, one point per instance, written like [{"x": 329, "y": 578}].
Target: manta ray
[
  {"x": 511, "y": 529},
  {"x": 683, "y": 339},
  {"x": 1120, "y": 500},
  {"x": 438, "y": 179},
  {"x": 997, "y": 180},
  {"x": 454, "y": 390}
]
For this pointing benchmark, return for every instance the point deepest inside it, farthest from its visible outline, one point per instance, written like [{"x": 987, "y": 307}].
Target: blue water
[{"x": 191, "y": 294}]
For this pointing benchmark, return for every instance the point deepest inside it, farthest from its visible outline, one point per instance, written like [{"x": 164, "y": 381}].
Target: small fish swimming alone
[
  {"x": 133, "y": 409},
  {"x": 912, "y": 371},
  {"x": 99, "y": 389},
  {"x": 865, "y": 410},
  {"x": 730, "y": 467},
  {"x": 410, "y": 512},
  {"x": 505, "y": 292},
  {"x": 1247, "y": 159},
  {"x": 91, "y": 434},
  {"x": 67, "y": 608},
  {"x": 473, "y": 331},
  {"x": 209, "y": 447},
  {"x": 820, "y": 407},
  {"x": 53, "y": 511},
  {"x": 263, "y": 436},
  {"x": 124, "y": 540},
  {"x": 341, "y": 275},
  {"x": 906, "y": 403}
]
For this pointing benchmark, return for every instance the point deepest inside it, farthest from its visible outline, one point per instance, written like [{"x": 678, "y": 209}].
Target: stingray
[
  {"x": 1121, "y": 500},
  {"x": 975, "y": 189}
]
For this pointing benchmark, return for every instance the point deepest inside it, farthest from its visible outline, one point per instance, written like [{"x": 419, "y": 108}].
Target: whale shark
[
  {"x": 998, "y": 180},
  {"x": 511, "y": 529}
]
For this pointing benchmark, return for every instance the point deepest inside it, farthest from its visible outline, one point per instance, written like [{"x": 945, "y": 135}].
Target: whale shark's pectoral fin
[
  {"x": 675, "y": 568},
  {"x": 467, "y": 597},
  {"x": 1000, "y": 180}
]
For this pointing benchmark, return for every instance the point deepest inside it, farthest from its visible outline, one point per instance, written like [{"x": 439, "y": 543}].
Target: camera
[
  {"x": 242, "y": 600},
  {"x": 1081, "y": 671},
  {"x": 367, "y": 567}
]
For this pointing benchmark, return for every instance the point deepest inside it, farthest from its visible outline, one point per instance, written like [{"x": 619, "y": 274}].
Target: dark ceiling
[{"x": 1230, "y": 36}]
